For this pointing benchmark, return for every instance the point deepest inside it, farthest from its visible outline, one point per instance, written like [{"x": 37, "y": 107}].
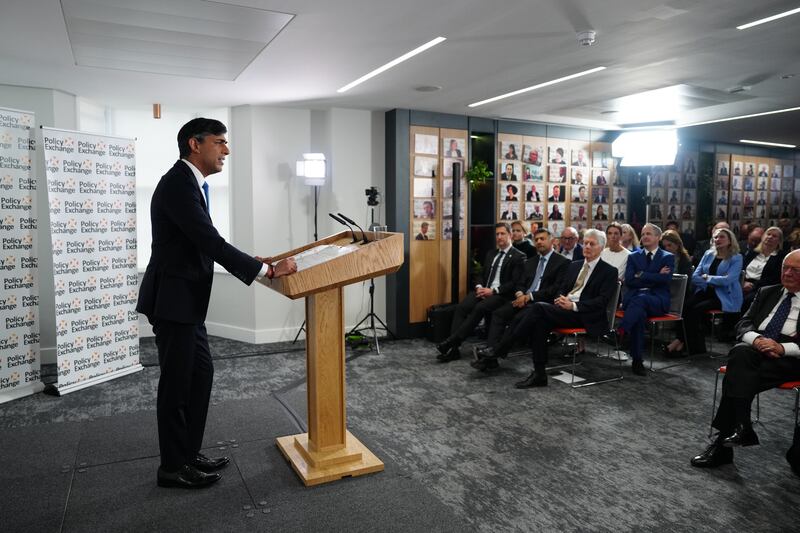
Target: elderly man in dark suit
[
  {"x": 582, "y": 303},
  {"x": 503, "y": 269},
  {"x": 542, "y": 276},
  {"x": 766, "y": 356},
  {"x": 174, "y": 295}
]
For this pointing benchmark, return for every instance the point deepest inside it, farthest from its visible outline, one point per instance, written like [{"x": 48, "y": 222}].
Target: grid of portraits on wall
[
  {"x": 756, "y": 190},
  {"x": 432, "y": 187},
  {"x": 558, "y": 183},
  {"x": 673, "y": 192}
]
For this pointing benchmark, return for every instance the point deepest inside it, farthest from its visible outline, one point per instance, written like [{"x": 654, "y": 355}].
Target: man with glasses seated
[
  {"x": 570, "y": 248},
  {"x": 767, "y": 355}
]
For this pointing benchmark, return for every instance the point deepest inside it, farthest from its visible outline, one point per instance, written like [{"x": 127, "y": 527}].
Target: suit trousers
[
  {"x": 184, "y": 390},
  {"x": 640, "y": 306},
  {"x": 501, "y": 317},
  {"x": 469, "y": 313},
  {"x": 694, "y": 310},
  {"x": 748, "y": 373},
  {"x": 533, "y": 324}
]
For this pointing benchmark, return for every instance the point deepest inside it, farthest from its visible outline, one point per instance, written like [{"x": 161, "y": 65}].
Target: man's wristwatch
[{"x": 270, "y": 271}]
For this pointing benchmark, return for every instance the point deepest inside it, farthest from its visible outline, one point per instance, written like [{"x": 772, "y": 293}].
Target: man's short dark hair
[
  {"x": 503, "y": 225},
  {"x": 198, "y": 128},
  {"x": 542, "y": 230}
]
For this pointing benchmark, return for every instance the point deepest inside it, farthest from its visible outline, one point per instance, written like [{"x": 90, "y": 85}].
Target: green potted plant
[{"x": 478, "y": 174}]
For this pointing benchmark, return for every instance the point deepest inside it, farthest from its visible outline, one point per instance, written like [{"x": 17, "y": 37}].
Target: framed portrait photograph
[
  {"x": 786, "y": 184},
  {"x": 509, "y": 211},
  {"x": 619, "y": 181},
  {"x": 774, "y": 198},
  {"x": 736, "y": 198},
  {"x": 761, "y": 183},
  {"x": 687, "y": 227},
  {"x": 557, "y": 155},
  {"x": 534, "y": 211},
  {"x": 674, "y": 180},
  {"x": 447, "y": 230},
  {"x": 722, "y": 167},
  {"x": 777, "y": 171},
  {"x": 690, "y": 181},
  {"x": 674, "y": 212},
  {"x": 447, "y": 188},
  {"x": 736, "y": 183},
  {"x": 687, "y": 212},
  {"x": 736, "y": 212},
  {"x": 509, "y": 192},
  {"x": 425, "y": 166},
  {"x": 557, "y": 174},
  {"x": 620, "y": 195},
  {"x": 721, "y": 198},
  {"x": 737, "y": 167},
  {"x": 657, "y": 180},
  {"x": 579, "y": 194},
  {"x": 424, "y": 230},
  {"x": 556, "y": 226},
  {"x": 788, "y": 171},
  {"x": 424, "y": 187},
  {"x": 555, "y": 211},
  {"x": 750, "y": 169},
  {"x": 533, "y": 172},
  {"x": 601, "y": 159},
  {"x": 722, "y": 182},
  {"x": 674, "y": 196},
  {"x": 600, "y": 211},
  {"x": 533, "y": 155},
  {"x": 454, "y": 147},
  {"x": 507, "y": 172},
  {"x": 689, "y": 166},
  {"x": 447, "y": 167},
  {"x": 580, "y": 176},
  {"x": 600, "y": 195},
  {"x": 774, "y": 184},
  {"x": 426, "y": 144},
  {"x": 600, "y": 178},
  {"x": 447, "y": 208},
  {"x": 534, "y": 192},
  {"x": 579, "y": 158},
  {"x": 425, "y": 208},
  {"x": 749, "y": 183},
  {"x": 510, "y": 151},
  {"x": 763, "y": 170},
  {"x": 620, "y": 213},
  {"x": 555, "y": 193},
  {"x": 689, "y": 196},
  {"x": 578, "y": 212}
]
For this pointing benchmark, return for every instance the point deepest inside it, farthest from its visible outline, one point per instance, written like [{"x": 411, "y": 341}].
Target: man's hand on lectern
[
  {"x": 265, "y": 260},
  {"x": 285, "y": 267}
]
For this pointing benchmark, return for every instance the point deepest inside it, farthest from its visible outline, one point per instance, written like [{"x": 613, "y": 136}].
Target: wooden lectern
[{"x": 328, "y": 451}]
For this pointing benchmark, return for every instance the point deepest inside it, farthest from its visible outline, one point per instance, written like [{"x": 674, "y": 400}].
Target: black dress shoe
[
  {"x": 742, "y": 436},
  {"x": 485, "y": 364},
  {"x": 534, "y": 380},
  {"x": 715, "y": 455},
  {"x": 452, "y": 355},
  {"x": 204, "y": 464},
  {"x": 187, "y": 477},
  {"x": 444, "y": 347},
  {"x": 637, "y": 367},
  {"x": 482, "y": 353}
]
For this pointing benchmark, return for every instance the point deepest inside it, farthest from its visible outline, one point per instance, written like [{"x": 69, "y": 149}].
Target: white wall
[{"x": 56, "y": 109}]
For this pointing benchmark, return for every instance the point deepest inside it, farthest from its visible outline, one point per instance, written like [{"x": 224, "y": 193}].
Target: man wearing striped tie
[
  {"x": 768, "y": 354},
  {"x": 582, "y": 302}
]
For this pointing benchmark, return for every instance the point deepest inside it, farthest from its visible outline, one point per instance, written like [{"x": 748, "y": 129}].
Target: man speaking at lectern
[{"x": 174, "y": 296}]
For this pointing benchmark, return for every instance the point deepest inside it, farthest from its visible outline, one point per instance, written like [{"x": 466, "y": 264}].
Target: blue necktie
[
  {"x": 773, "y": 329},
  {"x": 538, "y": 277},
  {"x": 205, "y": 192}
]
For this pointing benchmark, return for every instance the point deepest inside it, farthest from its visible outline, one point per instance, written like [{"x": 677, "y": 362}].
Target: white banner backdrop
[
  {"x": 19, "y": 300},
  {"x": 91, "y": 182}
]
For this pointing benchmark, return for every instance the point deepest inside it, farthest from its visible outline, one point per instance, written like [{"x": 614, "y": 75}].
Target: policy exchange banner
[
  {"x": 19, "y": 300},
  {"x": 91, "y": 183}
]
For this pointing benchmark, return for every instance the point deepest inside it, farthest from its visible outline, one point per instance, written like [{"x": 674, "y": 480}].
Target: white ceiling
[{"x": 492, "y": 47}]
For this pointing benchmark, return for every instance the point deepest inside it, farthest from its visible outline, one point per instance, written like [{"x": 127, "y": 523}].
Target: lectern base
[{"x": 352, "y": 460}]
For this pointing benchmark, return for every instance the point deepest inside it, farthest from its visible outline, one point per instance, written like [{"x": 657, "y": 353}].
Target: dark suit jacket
[
  {"x": 651, "y": 279},
  {"x": 595, "y": 295},
  {"x": 533, "y": 196},
  {"x": 510, "y": 271},
  {"x": 766, "y": 299},
  {"x": 552, "y": 277},
  {"x": 772, "y": 270},
  {"x": 525, "y": 247},
  {"x": 177, "y": 283},
  {"x": 577, "y": 253}
]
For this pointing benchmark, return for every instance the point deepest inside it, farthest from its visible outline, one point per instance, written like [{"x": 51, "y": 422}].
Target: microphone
[
  {"x": 343, "y": 223},
  {"x": 363, "y": 233}
]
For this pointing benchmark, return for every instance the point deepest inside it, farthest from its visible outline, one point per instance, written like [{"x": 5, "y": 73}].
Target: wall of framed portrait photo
[
  {"x": 433, "y": 152},
  {"x": 558, "y": 182}
]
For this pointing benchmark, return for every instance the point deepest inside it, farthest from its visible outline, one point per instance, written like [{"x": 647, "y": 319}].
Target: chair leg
[
  {"x": 758, "y": 409},
  {"x": 590, "y": 383},
  {"x": 713, "y": 406}
]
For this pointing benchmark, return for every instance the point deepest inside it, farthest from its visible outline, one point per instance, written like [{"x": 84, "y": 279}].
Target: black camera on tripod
[{"x": 372, "y": 196}]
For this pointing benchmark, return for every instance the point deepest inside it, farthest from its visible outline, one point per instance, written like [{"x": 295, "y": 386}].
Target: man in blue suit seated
[
  {"x": 647, "y": 279},
  {"x": 582, "y": 302}
]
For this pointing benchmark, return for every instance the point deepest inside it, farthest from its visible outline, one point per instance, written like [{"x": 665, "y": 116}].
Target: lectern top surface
[{"x": 322, "y": 254}]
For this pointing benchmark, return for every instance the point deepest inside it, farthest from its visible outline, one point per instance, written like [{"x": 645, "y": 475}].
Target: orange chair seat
[
  {"x": 714, "y": 312},
  {"x": 661, "y": 318},
  {"x": 619, "y": 314},
  {"x": 570, "y": 331}
]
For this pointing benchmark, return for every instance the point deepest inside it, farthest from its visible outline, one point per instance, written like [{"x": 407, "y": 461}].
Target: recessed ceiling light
[
  {"x": 538, "y": 86},
  {"x": 787, "y": 110},
  {"x": 427, "y": 88},
  {"x": 609, "y": 112},
  {"x": 765, "y": 143},
  {"x": 392, "y": 63},
  {"x": 768, "y": 19}
]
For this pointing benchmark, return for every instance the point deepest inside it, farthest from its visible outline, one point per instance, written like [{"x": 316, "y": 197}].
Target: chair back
[
  {"x": 613, "y": 303},
  {"x": 677, "y": 293}
]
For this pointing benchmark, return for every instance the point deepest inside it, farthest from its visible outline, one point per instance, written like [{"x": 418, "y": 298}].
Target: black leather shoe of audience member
[
  {"x": 187, "y": 477},
  {"x": 452, "y": 355},
  {"x": 715, "y": 455},
  {"x": 208, "y": 465},
  {"x": 637, "y": 367},
  {"x": 742, "y": 436},
  {"x": 534, "y": 380},
  {"x": 482, "y": 353},
  {"x": 485, "y": 364},
  {"x": 612, "y": 338},
  {"x": 444, "y": 347}
]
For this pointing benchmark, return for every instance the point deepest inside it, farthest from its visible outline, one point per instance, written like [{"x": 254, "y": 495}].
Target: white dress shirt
[
  {"x": 576, "y": 296},
  {"x": 756, "y": 266},
  {"x": 789, "y": 327}
]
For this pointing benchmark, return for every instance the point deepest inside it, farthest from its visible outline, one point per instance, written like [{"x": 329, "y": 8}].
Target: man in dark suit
[
  {"x": 767, "y": 355},
  {"x": 174, "y": 295},
  {"x": 570, "y": 247},
  {"x": 503, "y": 269},
  {"x": 584, "y": 296},
  {"x": 647, "y": 278},
  {"x": 542, "y": 276}
]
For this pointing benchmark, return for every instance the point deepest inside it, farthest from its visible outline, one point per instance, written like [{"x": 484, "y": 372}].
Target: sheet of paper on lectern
[{"x": 321, "y": 254}]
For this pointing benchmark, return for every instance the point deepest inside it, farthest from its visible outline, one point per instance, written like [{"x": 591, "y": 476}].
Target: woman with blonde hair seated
[
  {"x": 629, "y": 240},
  {"x": 762, "y": 265}
]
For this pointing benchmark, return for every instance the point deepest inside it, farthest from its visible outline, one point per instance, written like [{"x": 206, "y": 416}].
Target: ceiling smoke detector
[{"x": 587, "y": 38}]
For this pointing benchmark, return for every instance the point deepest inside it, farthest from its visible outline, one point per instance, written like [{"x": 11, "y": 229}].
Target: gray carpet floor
[{"x": 464, "y": 451}]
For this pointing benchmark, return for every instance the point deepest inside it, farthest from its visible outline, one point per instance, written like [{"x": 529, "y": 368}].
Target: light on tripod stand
[{"x": 312, "y": 168}]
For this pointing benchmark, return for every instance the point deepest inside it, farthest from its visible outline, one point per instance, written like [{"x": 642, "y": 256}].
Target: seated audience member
[
  {"x": 614, "y": 254},
  {"x": 786, "y": 227},
  {"x": 715, "y": 285},
  {"x": 629, "y": 240},
  {"x": 794, "y": 240},
  {"x": 582, "y": 303},
  {"x": 647, "y": 280},
  {"x": 542, "y": 276},
  {"x": 570, "y": 248},
  {"x": 503, "y": 269},
  {"x": 671, "y": 241},
  {"x": 754, "y": 236},
  {"x": 762, "y": 266},
  {"x": 704, "y": 245},
  {"x": 519, "y": 241},
  {"x": 767, "y": 355}
]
